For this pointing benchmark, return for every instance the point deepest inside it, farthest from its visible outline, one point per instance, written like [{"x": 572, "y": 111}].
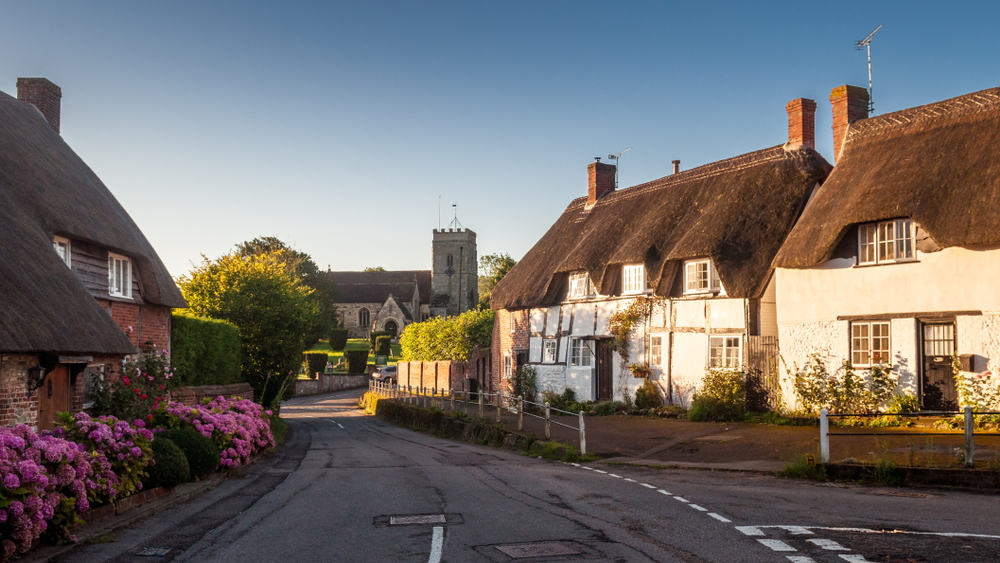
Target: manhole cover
[
  {"x": 716, "y": 438},
  {"x": 417, "y": 519},
  {"x": 157, "y": 551},
  {"x": 539, "y": 549}
]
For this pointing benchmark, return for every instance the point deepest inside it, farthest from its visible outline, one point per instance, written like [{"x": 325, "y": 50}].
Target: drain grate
[
  {"x": 155, "y": 551},
  {"x": 417, "y": 519},
  {"x": 537, "y": 549}
]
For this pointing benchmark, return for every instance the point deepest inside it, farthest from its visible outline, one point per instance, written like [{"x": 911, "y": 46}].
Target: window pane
[
  {"x": 656, "y": 350},
  {"x": 866, "y": 244},
  {"x": 715, "y": 352},
  {"x": 859, "y": 344},
  {"x": 904, "y": 238},
  {"x": 733, "y": 352},
  {"x": 886, "y": 242},
  {"x": 880, "y": 343}
]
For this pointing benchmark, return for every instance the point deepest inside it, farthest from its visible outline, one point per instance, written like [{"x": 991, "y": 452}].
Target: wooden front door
[
  {"x": 53, "y": 397},
  {"x": 604, "y": 370},
  {"x": 938, "y": 383}
]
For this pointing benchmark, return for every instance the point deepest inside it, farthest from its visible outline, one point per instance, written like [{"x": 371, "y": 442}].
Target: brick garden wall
[
  {"x": 141, "y": 323},
  {"x": 511, "y": 330},
  {"x": 16, "y": 407},
  {"x": 193, "y": 394}
]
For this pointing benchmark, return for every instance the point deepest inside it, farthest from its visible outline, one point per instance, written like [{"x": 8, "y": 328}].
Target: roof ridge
[{"x": 966, "y": 104}]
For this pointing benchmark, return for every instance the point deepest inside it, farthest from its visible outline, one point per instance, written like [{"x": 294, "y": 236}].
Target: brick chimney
[
  {"x": 44, "y": 95},
  {"x": 850, "y": 103},
  {"x": 677, "y": 166},
  {"x": 600, "y": 181},
  {"x": 801, "y": 122}
]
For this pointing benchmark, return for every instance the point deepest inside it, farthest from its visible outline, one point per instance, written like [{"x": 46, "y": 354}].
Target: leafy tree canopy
[
  {"x": 374, "y": 269},
  {"x": 451, "y": 338},
  {"x": 492, "y": 268}
]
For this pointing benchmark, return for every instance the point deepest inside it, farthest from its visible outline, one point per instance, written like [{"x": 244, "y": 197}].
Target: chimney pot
[
  {"x": 600, "y": 181},
  {"x": 44, "y": 95},
  {"x": 677, "y": 166},
  {"x": 850, "y": 103},
  {"x": 801, "y": 122}
]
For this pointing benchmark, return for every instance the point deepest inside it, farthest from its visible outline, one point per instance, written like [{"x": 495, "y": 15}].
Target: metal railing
[
  {"x": 484, "y": 400},
  {"x": 969, "y": 428}
]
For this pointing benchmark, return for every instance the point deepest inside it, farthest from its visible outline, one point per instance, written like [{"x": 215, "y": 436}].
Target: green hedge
[
  {"x": 338, "y": 339},
  {"x": 383, "y": 345},
  {"x": 375, "y": 335},
  {"x": 204, "y": 351},
  {"x": 170, "y": 466},
  {"x": 201, "y": 452},
  {"x": 357, "y": 361},
  {"x": 316, "y": 362}
]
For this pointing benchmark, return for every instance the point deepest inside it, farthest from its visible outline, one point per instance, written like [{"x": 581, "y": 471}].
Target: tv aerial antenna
[
  {"x": 455, "y": 223},
  {"x": 867, "y": 44},
  {"x": 615, "y": 158}
]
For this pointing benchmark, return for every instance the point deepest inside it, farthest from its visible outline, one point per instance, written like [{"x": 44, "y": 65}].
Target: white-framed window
[
  {"x": 700, "y": 276},
  {"x": 581, "y": 353},
  {"x": 655, "y": 350},
  {"x": 119, "y": 276},
  {"x": 549, "y": 351},
  {"x": 633, "y": 279},
  {"x": 870, "y": 343},
  {"x": 63, "y": 249},
  {"x": 579, "y": 285},
  {"x": 885, "y": 242},
  {"x": 725, "y": 352},
  {"x": 508, "y": 370}
]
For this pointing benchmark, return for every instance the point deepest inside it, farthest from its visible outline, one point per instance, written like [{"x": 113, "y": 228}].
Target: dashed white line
[
  {"x": 698, "y": 508},
  {"x": 662, "y": 492},
  {"x": 682, "y": 499},
  {"x": 854, "y": 558},
  {"x": 437, "y": 543},
  {"x": 647, "y": 485},
  {"x": 800, "y": 559},
  {"x": 341, "y": 426},
  {"x": 575, "y": 464},
  {"x": 797, "y": 530},
  {"x": 601, "y": 471},
  {"x": 630, "y": 480},
  {"x": 828, "y": 545},
  {"x": 615, "y": 476},
  {"x": 750, "y": 530},
  {"x": 720, "y": 517},
  {"x": 776, "y": 545}
]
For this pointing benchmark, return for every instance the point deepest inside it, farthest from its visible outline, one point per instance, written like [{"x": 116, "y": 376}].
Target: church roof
[{"x": 375, "y": 287}]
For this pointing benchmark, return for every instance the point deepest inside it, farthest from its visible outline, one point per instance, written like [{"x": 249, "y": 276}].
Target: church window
[{"x": 364, "y": 317}]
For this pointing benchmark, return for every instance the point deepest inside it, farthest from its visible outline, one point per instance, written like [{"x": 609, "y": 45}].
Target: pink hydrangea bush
[
  {"x": 46, "y": 480},
  {"x": 119, "y": 452},
  {"x": 239, "y": 427}
]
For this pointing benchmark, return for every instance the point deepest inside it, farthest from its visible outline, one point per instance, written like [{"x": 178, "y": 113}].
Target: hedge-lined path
[{"x": 364, "y": 490}]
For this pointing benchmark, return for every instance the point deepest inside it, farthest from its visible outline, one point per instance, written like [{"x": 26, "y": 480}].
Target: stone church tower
[{"x": 455, "y": 271}]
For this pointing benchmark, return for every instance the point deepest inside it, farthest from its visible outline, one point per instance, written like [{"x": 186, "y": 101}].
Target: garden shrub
[
  {"x": 357, "y": 361},
  {"x": 451, "y": 338},
  {"x": 525, "y": 383},
  {"x": 338, "y": 339},
  {"x": 847, "y": 393},
  {"x": 204, "y": 351},
  {"x": 563, "y": 401},
  {"x": 316, "y": 362},
  {"x": 141, "y": 386},
  {"x": 170, "y": 466},
  {"x": 722, "y": 397},
  {"x": 119, "y": 452},
  {"x": 201, "y": 451},
  {"x": 239, "y": 428},
  {"x": 374, "y": 336},
  {"x": 383, "y": 345},
  {"x": 648, "y": 396}
]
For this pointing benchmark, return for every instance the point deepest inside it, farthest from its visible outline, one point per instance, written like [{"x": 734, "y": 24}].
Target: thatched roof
[
  {"x": 938, "y": 164},
  {"x": 46, "y": 190},
  {"x": 375, "y": 287},
  {"x": 736, "y": 211}
]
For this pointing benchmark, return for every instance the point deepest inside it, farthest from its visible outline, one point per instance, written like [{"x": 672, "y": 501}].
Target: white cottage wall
[{"x": 980, "y": 335}]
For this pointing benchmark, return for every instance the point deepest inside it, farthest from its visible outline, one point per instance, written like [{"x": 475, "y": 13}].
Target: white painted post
[
  {"x": 480, "y": 404},
  {"x": 583, "y": 435},
  {"x": 520, "y": 413},
  {"x": 499, "y": 404},
  {"x": 970, "y": 447},
  {"x": 548, "y": 423},
  {"x": 824, "y": 436}
]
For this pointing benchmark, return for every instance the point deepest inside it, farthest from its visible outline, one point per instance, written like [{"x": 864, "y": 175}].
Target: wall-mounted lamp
[{"x": 36, "y": 377}]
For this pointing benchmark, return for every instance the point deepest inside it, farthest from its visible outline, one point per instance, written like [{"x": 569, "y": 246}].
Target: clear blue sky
[{"x": 336, "y": 126}]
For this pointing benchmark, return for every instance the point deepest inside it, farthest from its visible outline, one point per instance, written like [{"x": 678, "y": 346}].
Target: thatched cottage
[
  {"x": 80, "y": 286},
  {"x": 698, "y": 244},
  {"x": 895, "y": 260}
]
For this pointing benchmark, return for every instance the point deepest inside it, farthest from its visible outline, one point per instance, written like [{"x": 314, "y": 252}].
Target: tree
[
  {"x": 492, "y": 267},
  {"x": 270, "y": 306},
  {"x": 301, "y": 265},
  {"x": 374, "y": 269}
]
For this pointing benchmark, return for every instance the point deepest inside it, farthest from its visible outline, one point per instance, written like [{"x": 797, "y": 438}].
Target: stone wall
[{"x": 329, "y": 384}]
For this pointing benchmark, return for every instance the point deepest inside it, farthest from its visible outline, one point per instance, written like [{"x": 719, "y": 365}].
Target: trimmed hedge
[
  {"x": 375, "y": 335},
  {"x": 170, "y": 466},
  {"x": 204, "y": 351},
  {"x": 338, "y": 339},
  {"x": 316, "y": 362},
  {"x": 357, "y": 361},
  {"x": 201, "y": 452},
  {"x": 382, "y": 345}
]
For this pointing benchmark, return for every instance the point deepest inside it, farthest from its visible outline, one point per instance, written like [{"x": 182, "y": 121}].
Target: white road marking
[
  {"x": 647, "y": 485},
  {"x": 601, "y": 471},
  {"x": 777, "y": 545},
  {"x": 437, "y": 544},
  {"x": 630, "y": 480},
  {"x": 797, "y": 530},
  {"x": 828, "y": 545},
  {"x": 662, "y": 492},
  {"x": 719, "y": 517},
  {"x": 340, "y": 425},
  {"x": 682, "y": 499},
  {"x": 854, "y": 558},
  {"x": 750, "y": 530},
  {"x": 698, "y": 508},
  {"x": 615, "y": 476},
  {"x": 575, "y": 464},
  {"x": 942, "y": 534},
  {"x": 800, "y": 559}
]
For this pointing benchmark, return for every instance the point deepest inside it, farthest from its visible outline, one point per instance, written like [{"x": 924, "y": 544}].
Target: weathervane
[
  {"x": 867, "y": 43},
  {"x": 455, "y": 224}
]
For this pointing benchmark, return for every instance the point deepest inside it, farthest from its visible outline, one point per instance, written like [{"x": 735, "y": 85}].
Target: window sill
[{"x": 892, "y": 263}]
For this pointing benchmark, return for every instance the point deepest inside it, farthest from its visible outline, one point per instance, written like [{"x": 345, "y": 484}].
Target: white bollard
[
  {"x": 583, "y": 436},
  {"x": 520, "y": 413},
  {"x": 824, "y": 436}
]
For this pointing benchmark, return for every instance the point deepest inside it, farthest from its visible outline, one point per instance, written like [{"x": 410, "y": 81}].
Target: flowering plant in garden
[
  {"x": 119, "y": 452},
  {"x": 141, "y": 387},
  {"x": 239, "y": 427},
  {"x": 981, "y": 390},
  {"x": 46, "y": 480}
]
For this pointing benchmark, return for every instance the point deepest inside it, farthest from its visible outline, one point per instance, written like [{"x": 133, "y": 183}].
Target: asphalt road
[{"x": 348, "y": 487}]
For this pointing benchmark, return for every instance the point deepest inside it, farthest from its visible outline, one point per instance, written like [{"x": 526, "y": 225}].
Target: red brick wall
[
  {"x": 45, "y": 95},
  {"x": 16, "y": 407},
  {"x": 801, "y": 122},
  {"x": 141, "y": 323},
  {"x": 505, "y": 340},
  {"x": 850, "y": 103}
]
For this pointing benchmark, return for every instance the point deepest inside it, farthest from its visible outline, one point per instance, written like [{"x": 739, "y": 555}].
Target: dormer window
[
  {"x": 119, "y": 276},
  {"x": 633, "y": 279},
  {"x": 62, "y": 248},
  {"x": 700, "y": 276},
  {"x": 885, "y": 242},
  {"x": 579, "y": 285}
]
